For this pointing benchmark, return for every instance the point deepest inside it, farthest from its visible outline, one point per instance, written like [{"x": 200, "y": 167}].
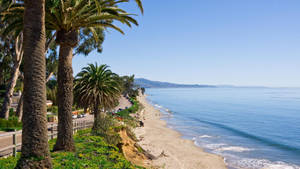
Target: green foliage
[
  {"x": 125, "y": 114},
  {"x": 10, "y": 124},
  {"x": 52, "y": 84},
  {"x": 129, "y": 88},
  {"x": 51, "y": 95},
  {"x": 19, "y": 86},
  {"x": 131, "y": 110},
  {"x": 9, "y": 163},
  {"x": 53, "y": 109},
  {"x": 107, "y": 130},
  {"x": 96, "y": 87},
  {"x": 11, "y": 112},
  {"x": 49, "y": 116},
  {"x": 88, "y": 41},
  {"x": 89, "y": 18},
  {"x": 2, "y": 92},
  {"x": 1, "y": 101},
  {"x": 91, "y": 152}
]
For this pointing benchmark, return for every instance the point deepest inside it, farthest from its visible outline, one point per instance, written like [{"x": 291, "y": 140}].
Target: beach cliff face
[{"x": 171, "y": 150}]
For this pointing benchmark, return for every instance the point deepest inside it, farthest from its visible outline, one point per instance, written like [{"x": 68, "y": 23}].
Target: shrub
[
  {"x": 107, "y": 130},
  {"x": 2, "y": 92},
  {"x": 10, "y": 124},
  {"x": 9, "y": 163},
  {"x": 125, "y": 114},
  {"x": 51, "y": 95},
  {"x": 11, "y": 112}
]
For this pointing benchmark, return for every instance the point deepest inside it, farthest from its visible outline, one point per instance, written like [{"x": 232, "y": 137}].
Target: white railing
[{"x": 15, "y": 144}]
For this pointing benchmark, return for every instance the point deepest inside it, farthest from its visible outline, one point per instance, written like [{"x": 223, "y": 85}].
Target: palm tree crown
[{"x": 97, "y": 86}]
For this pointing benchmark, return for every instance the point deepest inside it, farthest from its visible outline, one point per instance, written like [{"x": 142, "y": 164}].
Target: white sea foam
[
  {"x": 205, "y": 136},
  {"x": 278, "y": 166},
  {"x": 214, "y": 146},
  {"x": 248, "y": 163},
  {"x": 158, "y": 106},
  {"x": 233, "y": 149}
]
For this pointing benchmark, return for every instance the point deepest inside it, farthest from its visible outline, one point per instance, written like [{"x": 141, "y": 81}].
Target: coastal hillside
[{"x": 157, "y": 84}]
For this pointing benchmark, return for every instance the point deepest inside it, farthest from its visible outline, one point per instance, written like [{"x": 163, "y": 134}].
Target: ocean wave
[
  {"x": 157, "y": 105},
  {"x": 233, "y": 149},
  {"x": 252, "y": 136},
  {"x": 220, "y": 147},
  {"x": 248, "y": 163},
  {"x": 278, "y": 166},
  {"x": 169, "y": 111},
  {"x": 163, "y": 109},
  {"x": 214, "y": 146},
  {"x": 205, "y": 136}
]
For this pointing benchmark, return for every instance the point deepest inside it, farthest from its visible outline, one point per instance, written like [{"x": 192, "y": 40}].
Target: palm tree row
[{"x": 67, "y": 20}]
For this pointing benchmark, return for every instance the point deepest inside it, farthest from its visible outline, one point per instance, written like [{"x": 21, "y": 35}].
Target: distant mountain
[{"x": 157, "y": 84}]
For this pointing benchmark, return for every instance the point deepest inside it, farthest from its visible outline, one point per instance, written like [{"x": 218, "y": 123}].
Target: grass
[{"x": 91, "y": 152}]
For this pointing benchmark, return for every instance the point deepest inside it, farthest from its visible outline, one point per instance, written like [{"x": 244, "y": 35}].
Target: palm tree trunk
[
  {"x": 65, "y": 99},
  {"x": 19, "y": 111},
  {"x": 9, "y": 92},
  {"x": 97, "y": 119},
  {"x": 35, "y": 153}
]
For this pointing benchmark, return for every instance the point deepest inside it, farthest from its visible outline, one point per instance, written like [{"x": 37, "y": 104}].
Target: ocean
[{"x": 252, "y": 128}]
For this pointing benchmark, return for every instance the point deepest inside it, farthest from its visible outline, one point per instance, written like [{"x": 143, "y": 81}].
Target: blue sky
[{"x": 237, "y": 42}]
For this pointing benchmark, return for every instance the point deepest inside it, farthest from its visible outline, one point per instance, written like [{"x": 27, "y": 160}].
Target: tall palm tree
[
  {"x": 35, "y": 153},
  {"x": 69, "y": 18},
  {"x": 97, "y": 87}
]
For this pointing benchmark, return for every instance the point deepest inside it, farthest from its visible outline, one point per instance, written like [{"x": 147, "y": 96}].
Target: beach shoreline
[{"x": 168, "y": 145}]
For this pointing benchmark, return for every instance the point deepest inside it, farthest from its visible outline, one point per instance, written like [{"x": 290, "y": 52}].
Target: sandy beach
[{"x": 172, "y": 151}]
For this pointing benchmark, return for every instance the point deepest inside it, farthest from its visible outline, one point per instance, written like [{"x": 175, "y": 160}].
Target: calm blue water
[{"x": 251, "y": 127}]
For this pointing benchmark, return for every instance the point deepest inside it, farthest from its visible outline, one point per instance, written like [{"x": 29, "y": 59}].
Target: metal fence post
[{"x": 15, "y": 144}]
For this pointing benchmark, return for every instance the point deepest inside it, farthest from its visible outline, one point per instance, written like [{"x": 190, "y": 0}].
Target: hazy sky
[{"x": 238, "y": 42}]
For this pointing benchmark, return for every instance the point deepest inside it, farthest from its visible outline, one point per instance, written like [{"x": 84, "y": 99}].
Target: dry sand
[{"x": 167, "y": 144}]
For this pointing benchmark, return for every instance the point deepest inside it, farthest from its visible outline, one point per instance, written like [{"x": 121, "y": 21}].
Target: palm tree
[
  {"x": 35, "y": 153},
  {"x": 129, "y": 86},
  {"x": 68, "y": 19},
  {"x": 97, "y": 87}
]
